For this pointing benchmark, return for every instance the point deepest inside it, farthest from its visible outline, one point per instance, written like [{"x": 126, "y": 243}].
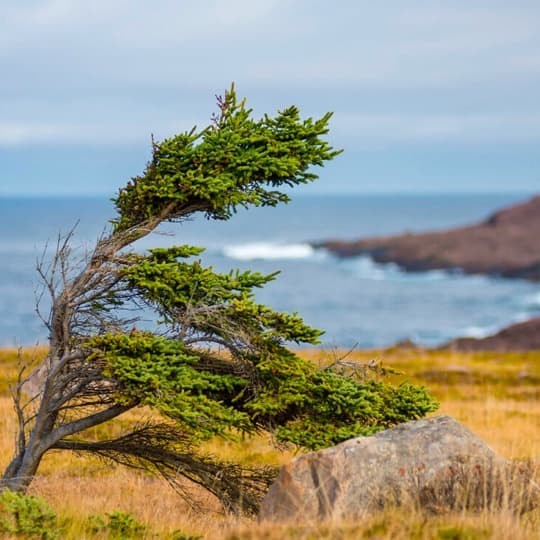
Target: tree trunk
[{"x": 22, "y": 469}]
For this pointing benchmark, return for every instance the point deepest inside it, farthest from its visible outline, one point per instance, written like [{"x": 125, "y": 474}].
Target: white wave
[
  {"x": 365, "y": 267},
  {"x": 268, "y": 251},
  {"x": 533, "y": 300},
  {"x": 480, "y": 332},
  {"x": 433, "y": 275},
  {"x": 520, "y": 317},
  {"x": 477, "y": 332}
]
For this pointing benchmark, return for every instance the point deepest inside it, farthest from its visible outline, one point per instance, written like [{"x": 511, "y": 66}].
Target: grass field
[{"x": 495, "y": 395}]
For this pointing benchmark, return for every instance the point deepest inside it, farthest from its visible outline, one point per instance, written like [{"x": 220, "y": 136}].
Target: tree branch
[
  {"x": 87, "y": 422},
  {"x": 165, "y": 451}
]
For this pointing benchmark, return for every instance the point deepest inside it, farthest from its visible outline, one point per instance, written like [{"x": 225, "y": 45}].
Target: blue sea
[{"x": 356, "y": 301}]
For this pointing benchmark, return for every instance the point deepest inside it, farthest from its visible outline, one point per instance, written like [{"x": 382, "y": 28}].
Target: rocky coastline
[
  {"x": 523, "y": 336},
  {"x": 506, "y": 244}
]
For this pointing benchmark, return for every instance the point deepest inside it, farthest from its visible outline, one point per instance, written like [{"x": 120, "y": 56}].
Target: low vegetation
[{"x": 495, "y": 395}]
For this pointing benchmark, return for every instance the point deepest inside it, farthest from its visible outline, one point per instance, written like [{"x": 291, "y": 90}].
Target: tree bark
[{"x": 22, "y": 469}]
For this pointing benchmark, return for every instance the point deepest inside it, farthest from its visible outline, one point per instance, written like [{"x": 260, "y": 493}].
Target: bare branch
[
  {"x": 87, "y": 422},
  {"x": 167, "y": 452},
  {"x": 16, "y": 394}
]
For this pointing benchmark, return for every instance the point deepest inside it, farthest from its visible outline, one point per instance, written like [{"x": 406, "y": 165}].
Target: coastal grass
[{"x": 496, "y": 395}]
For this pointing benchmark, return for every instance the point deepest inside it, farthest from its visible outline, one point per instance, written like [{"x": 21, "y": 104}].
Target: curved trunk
[
  {"x": 21, "y": 471},
  {"x": 45, "y": 434}
]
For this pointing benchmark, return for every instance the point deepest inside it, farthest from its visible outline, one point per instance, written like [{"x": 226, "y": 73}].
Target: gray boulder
[{"x": 435, "y": 464}]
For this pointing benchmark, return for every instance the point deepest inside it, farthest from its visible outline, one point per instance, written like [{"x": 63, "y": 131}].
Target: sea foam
[
  {"x": 533, "y": 300},
  {"x": 364, "y": 267},
  {"x": 268, "y": 251},
  {"x": 478, "y": 332}
]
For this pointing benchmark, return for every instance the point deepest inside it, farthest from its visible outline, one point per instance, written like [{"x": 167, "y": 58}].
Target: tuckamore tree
[{"x": 217, "y": 363}]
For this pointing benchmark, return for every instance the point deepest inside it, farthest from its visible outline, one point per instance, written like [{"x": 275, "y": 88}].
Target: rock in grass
[{"x": 436, "y": 464}]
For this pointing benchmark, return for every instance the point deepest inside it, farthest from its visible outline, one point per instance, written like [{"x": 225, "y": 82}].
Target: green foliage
[
  {"x": 304, "y": 405},
  {"x": 180, "y": 535},
  {"x": 462, "y": 533},
  {"x": 218, "y": 305},
  {"x": 236, "y": 161},
  {"x": 255, "y": 382},
  {"x": 23, "y": 515},
  {"x": 162, "y": 373},
  {"x": 316, "y": 408},
  {"x": 118, "y": 525}
]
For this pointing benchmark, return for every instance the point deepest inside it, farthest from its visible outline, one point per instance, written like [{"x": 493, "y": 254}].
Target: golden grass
[{"x": 495, "y": 395}]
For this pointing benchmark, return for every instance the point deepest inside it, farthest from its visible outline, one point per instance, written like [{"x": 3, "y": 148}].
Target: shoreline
[{"x": 506, "y": 244}]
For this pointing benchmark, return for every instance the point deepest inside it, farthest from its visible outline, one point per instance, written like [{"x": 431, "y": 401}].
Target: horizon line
[{"x": 296, "y": 195}]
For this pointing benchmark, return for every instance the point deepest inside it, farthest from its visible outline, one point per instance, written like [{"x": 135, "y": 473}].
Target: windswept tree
[{"x": 217, "y": 362}]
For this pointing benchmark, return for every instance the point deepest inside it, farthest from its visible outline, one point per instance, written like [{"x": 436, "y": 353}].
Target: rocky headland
[
  {"x": 506, "y": 244},
  {"x": 524, "y": 336}
]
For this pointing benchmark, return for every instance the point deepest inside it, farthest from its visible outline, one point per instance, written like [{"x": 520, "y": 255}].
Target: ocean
[{"x": 357, "y": 302}]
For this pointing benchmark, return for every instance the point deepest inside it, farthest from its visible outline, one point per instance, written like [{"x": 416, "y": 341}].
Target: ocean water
[{"x": 356, "y": 301}]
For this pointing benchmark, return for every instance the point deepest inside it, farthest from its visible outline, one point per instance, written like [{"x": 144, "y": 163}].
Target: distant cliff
[
  {"x": 506, "y": 244},
  {"x": 523, "y": 336}
]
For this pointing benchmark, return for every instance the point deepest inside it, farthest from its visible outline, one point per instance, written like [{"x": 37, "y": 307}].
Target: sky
[{"x": 427, "y": 95}]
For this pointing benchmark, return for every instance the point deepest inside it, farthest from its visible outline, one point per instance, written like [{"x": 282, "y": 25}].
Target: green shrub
[
  {"x": 118, "y": 525},
  {"x": 24, "y": 515},
  {"x": 180, "y": 535},
  {"x": 461, "y": 533}
]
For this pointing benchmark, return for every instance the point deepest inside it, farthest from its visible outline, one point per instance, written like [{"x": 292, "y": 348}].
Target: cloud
[
  {"x": 436, "y": 128},
  {"x": 71, "y": 45},
  {"x": 361, "y": 129},
  {"x": 396, "y": 73},
  {"x": 14, "y": 134},
  {"x": 129, "y": 25},
  {"x": 28, "y": 133}
]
